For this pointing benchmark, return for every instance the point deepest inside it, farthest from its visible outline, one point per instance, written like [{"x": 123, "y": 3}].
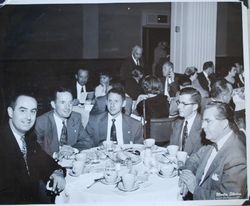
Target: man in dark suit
[
  {"x": 23, "y": 162},
  {"x": 81, "y": 88},
  {"x": 61, "y": 126},
  {"x": 186, "y": 128},
  {"x": 169, "y": 79},
  {"x": 218, "y": 171},
  {"x": 135, "y": 59},
  {"x": 113, "y": 125},
  {"x": 206, "y": 77}
]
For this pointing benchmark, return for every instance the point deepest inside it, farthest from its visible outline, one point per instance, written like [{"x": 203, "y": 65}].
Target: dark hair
[
  {"x": 169, "y": 63},
  {"x": 207, "y": 65},
  {"x": 219, "y": 87},
  {"x": 229, "y": 68},
  {"x": 152, "y": 84},
  {"x": 15, "y": 95},
  {"x": 194, "y": 94},
  {"x": 137, "y": 70},
  {"x": 190, "y": 71},
  {"x": 117, "y": 90},
  {"x": 83, "y": 69},
  {"x": 60, "y": 89},
  {"x": 105, "y": 73}
]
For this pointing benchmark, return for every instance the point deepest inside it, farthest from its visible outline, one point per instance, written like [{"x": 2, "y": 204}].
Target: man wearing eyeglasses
[
  {"x": 187, "y": 127},
  {"x": 217, "y": 171},
  {"x": 61, "y": 126}
]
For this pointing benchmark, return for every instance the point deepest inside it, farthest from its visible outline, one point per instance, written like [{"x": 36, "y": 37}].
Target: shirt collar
[
  {"x": 134, "y": 59},
  {"x": 58, "y": 119},
  {"x": 118, "y": 118},
  {"x": 191, "y": 118},
  {"x": 205, "y": 74},
  {"x": 78, "y": 85}
]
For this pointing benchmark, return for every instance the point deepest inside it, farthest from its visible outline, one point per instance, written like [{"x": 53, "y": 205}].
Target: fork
[{"x": 95, "y": 181}]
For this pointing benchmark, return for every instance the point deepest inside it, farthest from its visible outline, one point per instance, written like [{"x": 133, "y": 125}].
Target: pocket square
[{"x": 215, "y": 177}]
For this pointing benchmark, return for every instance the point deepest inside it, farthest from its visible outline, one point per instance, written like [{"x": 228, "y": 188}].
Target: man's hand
[
  {"x": 58, "y": 181},
  {"x": 188, "y": 178}
]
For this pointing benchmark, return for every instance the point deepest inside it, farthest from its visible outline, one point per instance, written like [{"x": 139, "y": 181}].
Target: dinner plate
[
  {"x": 121, "y": 187},
  {"x": 164, "y": 176},
  {"x": 166, "y": 159}
]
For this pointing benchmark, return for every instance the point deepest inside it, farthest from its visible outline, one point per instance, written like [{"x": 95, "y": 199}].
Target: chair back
[{"x": 160, "y": 129}]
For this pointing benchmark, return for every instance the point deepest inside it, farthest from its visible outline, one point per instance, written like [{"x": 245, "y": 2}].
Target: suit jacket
[
  {"x": 194, "y": 140},
  {"x": 173, "y": 88},
  {"x": 226, "y": 174},
  {"x": 47, "y": 137},
  {"x": 72, "y": 87},
  {"x": 203, "y": 80},
  {"x": 16, "y": 185},
  {"x": 97, "y": 129},
  {"x": 127, "y": 67},
  {"x": 100, "y": 106},
  {"x": 132, "y": 88}
]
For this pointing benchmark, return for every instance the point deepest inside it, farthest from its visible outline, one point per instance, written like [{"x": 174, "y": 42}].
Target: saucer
[
  {"x": 103, "y": 181},
  {"x": 164, "y": 176},
  {"x": 121, "y": 187}
]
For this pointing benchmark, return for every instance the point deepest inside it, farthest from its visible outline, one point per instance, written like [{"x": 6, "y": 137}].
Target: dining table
[{"x": 151, "y": 184}]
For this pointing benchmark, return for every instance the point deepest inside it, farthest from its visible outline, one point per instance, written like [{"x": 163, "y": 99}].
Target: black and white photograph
[{"x": 124, "y": 103}]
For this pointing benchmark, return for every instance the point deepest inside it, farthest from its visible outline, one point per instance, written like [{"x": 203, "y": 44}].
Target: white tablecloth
[
  {"x": 155, "y": 188},
  {"x": 84, "y": 111}
]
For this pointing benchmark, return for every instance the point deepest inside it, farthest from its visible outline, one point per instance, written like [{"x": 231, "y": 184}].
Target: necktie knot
[
  {"x": 113, "y": 121},
  {"x": 82, "y": 90}
]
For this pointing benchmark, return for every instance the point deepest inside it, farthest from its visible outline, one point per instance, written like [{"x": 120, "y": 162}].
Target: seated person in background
[
  {"x": 206, "y": 77},
  {"x": 82, "y": 86},
  {"x": 221, "y": 91},
  {"x": 187, "y": 128},
  {"x": 113, "y": 125},
  {"x": 230, "y": 75},
  {"x": 133, "y": 84},
  {"x": 61, "y": 126},
  {"x": 169, "y": 80},
  {"x": 216, "y": 171},
  {"x": 239, "y": 78},
  {"x": 156, "y": 104},
  {"x": 135, "y": 59},
  {"x": 191, "y": 73},
  {"x": 104, "y": 86},
  {"x": 24, "y": 164},
  {"x": 100, "y": 105}
]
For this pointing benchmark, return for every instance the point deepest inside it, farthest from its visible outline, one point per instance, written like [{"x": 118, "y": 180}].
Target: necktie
[
  {"x": 63, "y": 139},
  {"x": 184, "y": 135},
  {"x": 113, "y": 132},
  {"x": 82, "y": 90},
  {"x": 138, "y": 63},
  {"x": 24, "y": 151}
]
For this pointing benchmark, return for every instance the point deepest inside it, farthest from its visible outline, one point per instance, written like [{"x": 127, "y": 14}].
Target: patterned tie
[
  {"x": 63, "y": 139},
  {"x": 184, "y": 135},
  {"x": 113, "y": 132},
  {"x": 24, "y": 151}
]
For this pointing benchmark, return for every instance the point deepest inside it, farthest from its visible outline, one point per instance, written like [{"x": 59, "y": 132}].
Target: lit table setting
[
  {"x": 84, "y": 110},
  {"x": 123, "y": 173}
]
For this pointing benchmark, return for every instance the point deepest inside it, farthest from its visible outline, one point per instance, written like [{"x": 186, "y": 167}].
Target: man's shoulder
[
  {"x": 98, "y": 117},
  {"x": 75, "y": 115},
  {"x": 130, "y": 120},
  {"x": 44, "y": 116}
]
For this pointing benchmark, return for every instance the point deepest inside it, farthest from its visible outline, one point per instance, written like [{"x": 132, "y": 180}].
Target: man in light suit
[
  {"x": 127, "y": 129},
  {"x": 24, "y": 164},
  {"x": 186, "y": 128},
  {"x": 54, "y": 125},
  {"x": 219, "y": 171},
  {"x": 135, "y": 59}
]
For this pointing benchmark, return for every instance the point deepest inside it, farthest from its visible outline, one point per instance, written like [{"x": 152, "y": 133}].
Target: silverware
[{"x": 95, "y": 181}]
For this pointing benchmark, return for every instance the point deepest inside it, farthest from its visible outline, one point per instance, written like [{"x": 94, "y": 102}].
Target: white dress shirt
[
  {"x": 59, "y": 125},
  {"x": 137, "y": 62},
  {"x": 220, "y": 144},
  {"x": 81, "y": 96},
  {"x": 190, "y": 121},
  {"x": 209, "y": 82},
  {"x": 118, "y": 126},
  {"x": 168, "y": 81}
]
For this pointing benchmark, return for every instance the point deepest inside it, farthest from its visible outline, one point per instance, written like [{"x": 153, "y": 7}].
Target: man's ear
[
  {"x": 52, "y": 103},
  {"x": 76, "y": 76},
  {"x": 10, "y": 112}
]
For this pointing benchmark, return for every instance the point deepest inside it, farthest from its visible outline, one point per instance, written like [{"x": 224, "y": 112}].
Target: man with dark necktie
[
  {"x": 216, "y": 172},
  {"x": 61, "y": 126},
  {"x": 24, "y": 165},
  {"x": 113, "y": 125},
  {"x": 187, "y": 127}
]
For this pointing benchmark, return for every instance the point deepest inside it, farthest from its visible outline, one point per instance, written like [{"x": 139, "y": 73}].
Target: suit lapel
[
  {"x": 54, "y": 140},
  {"x": 71, "y": 131},
  {"x": 218, "y": 158},
  {"x": 103, "y": 128}
]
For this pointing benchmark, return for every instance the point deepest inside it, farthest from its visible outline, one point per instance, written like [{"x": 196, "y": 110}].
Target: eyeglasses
[{"x": 184, "y": 104}]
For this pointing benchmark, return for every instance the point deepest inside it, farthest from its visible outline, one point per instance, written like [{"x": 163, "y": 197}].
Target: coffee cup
[
  {"x": 149, "y": 143},
  {"x": 128, "y": 181},
  {"x": 167, "y": 169},
  {"x": 77, "y": 167},
  {"x": 172, "y": 149},
  {"x": 110, "y": 173},
  {"x": 181, "y": 156}
]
